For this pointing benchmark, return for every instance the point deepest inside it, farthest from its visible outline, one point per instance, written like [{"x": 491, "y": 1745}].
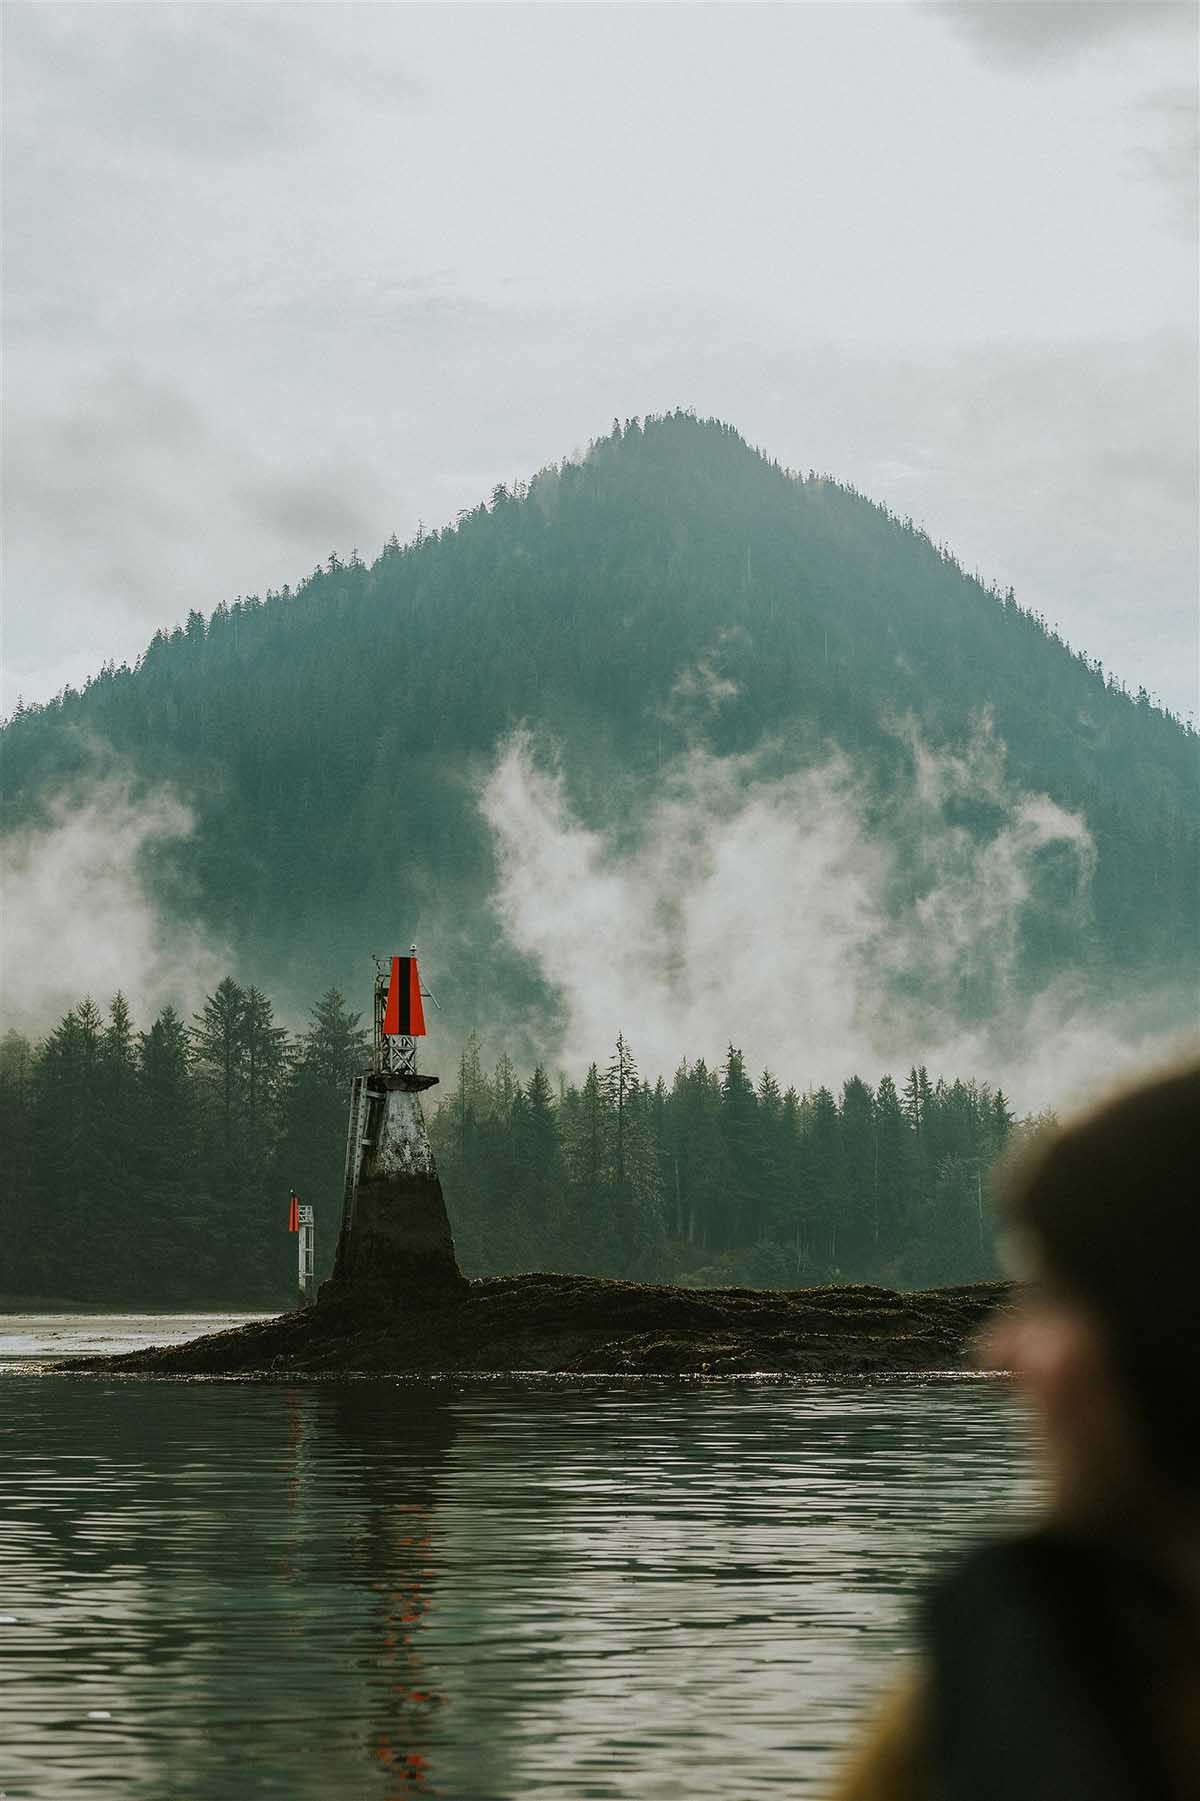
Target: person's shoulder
[
  {"x": 891, "y": 1760},
  {"x": 1002, "y": 1581},
  {"x": 1029, "y": 1694}
]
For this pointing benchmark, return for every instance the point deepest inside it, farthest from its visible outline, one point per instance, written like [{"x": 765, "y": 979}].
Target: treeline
[
  {"x": 152, "y": 1166},
  {"x": 716, "y": 1179}
]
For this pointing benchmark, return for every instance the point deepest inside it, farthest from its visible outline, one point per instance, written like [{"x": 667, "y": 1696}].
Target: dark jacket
[{"x": 1056, "y": 1668}]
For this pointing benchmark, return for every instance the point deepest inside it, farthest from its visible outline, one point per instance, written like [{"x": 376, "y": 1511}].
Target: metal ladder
[{"x": 354, "y": 1138}]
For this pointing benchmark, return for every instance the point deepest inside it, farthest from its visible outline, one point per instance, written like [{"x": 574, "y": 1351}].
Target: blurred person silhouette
[{"x": 1063, "y": 1664}]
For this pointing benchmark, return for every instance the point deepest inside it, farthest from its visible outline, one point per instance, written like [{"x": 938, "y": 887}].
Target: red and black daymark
[
  {"x": 294, "y": 1212},
  {"x": 404, "y": 1016}
]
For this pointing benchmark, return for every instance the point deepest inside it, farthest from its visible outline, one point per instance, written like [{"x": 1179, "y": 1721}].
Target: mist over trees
[
  {"x": 152, "y": 1166},
  {"x": 329, "y": 739}
]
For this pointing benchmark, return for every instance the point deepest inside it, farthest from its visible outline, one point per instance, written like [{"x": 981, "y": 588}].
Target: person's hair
[{"x": 1112, "y": 1203}]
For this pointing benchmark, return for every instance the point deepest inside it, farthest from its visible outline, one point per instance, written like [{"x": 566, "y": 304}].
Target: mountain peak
[{"x": 672, "y": 588}]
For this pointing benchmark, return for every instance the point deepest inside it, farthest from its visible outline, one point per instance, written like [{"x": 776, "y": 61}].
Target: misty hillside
[{"x": 673, "y": 589}]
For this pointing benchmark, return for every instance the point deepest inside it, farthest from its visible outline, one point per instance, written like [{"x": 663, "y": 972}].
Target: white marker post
[{"x": 305, "y": 1236}]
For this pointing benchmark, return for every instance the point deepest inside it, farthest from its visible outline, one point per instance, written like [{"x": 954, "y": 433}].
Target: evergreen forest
[{"x": 152, "y": 1166}]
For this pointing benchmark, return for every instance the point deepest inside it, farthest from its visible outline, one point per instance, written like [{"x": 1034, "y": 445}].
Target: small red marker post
[{"x": 300, "y": 1221}]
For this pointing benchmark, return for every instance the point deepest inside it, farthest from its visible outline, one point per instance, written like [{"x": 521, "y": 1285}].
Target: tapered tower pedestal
[{"x": 395, "y": 1235}]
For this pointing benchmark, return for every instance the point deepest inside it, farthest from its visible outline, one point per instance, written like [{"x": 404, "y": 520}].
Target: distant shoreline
[{"x": 14, "y": 1305}]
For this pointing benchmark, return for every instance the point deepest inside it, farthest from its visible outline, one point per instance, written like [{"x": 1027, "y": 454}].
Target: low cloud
[
  {"x": 1170, "y": 155},
  {"x": 771, "y": 911},
  {"x": 167, "y": 510},
  {"x": 1048, "y": 34},
  {"x": 704, "y": 686},
  {"x": 79, "y": 916},
  {"x": 960, "y": 934},
  {"x": 1053, "y": 37},
  {"x": 131, "y": 432},
  {"x": 701, "y": 689},
  {"x": 213, "y": 83}
]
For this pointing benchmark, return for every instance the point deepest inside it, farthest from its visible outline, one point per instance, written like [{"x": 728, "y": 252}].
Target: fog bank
[{"x": 772, "y": 911}]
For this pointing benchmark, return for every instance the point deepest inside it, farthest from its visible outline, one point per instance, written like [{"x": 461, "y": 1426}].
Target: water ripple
[{"x": 474, "y": 1592}]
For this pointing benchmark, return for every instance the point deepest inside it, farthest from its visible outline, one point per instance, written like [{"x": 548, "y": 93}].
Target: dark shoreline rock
[{"x": 580, "y": 1325}]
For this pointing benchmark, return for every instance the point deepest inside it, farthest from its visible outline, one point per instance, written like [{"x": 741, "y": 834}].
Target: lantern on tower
[{"x": 399, "y": 1014}]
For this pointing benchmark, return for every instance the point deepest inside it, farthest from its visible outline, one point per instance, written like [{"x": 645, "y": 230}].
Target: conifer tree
[
  {"x": 334, "y": 1048},
  {"x": 262, "y": 1045},
  {"x": 739, "y": 1132},
  {"x": 894, "y": 1170},
  {"x": 793, "y": 1221},
  {"x": 176, "y": 1224},
  {"x": 540, "y": 1173},
  {"x": 67, "y": 1121},
  {"x": 827, "y": 1171},
  {"x": 220, "y": 1052},
  {"x": 619, "y": 1085},
  {"x": 586, "y": 1150},
  {"x": 859, "y": 1147},
  {"x": 18, "y": 1182},
  {"x": 706, "y": 1152},
  {"x": 118, "y": 1173}
]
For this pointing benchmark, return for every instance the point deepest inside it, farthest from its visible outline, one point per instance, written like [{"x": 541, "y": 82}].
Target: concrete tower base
[{"x": 395, "y": 1237}]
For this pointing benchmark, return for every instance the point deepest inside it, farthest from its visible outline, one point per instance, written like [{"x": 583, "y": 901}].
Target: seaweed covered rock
[{"x": 577, "y": 1325}]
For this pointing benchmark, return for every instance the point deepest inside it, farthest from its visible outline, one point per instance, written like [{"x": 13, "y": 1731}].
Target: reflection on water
[{"x": 221, "y": 1590}]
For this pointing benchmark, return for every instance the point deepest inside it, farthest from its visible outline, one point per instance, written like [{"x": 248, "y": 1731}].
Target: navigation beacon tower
[{"x": 395, "y": 1235}]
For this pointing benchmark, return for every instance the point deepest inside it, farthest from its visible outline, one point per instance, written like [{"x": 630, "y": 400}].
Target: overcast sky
[{"x": 284, "y": 279}]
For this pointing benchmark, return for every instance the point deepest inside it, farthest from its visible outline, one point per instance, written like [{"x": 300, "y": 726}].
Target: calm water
[{"x": 221, "y": 1590}]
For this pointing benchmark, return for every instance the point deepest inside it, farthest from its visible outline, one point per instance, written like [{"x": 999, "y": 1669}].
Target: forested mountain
[
  {"x": 328, "y": 739},
  {"x": 671, "y": 590}
]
